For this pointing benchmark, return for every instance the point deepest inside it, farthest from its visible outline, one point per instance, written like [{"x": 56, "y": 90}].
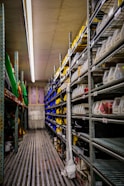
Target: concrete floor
[{"x": 36, "y": 164}]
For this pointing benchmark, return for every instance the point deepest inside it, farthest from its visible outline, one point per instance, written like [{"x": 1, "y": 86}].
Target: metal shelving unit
[
  {"x": 116, "y": 54},
  {"x": 110, "y": 171},
  {"x": 105, "y": 119},
  {"x": 79, "y": 79},
  {"x": 84, "y": 96},
  {"x": 7, "y": 97},
  {"x": 107, "y": 30},
  {"x": 56, "y": 115},
  {"x": 114, "y": 87},
  {"x": 81, "y": 135},
  {"x": 50, "y": 109},
  {"x": 58, "y": 135},
  {"x": 114, "y": 145},
  {"x": 58, "y": 125},
  {"x": 79, "y": 153}
]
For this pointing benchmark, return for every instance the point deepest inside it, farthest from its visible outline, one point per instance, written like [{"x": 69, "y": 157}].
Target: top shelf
[
  {"x": 113, "y": 21},
  {"x": 102, "y": 6}
]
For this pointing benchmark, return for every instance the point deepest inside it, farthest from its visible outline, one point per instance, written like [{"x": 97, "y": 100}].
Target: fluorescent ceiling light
[{"x": 29, "y": 33}]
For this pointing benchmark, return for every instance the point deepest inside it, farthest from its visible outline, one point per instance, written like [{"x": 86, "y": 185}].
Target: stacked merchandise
[
  {"x": 110, "y": 44},
  {"x": 115, "y": 106},
  {"x": 80, "y": 109},
  {"x": 114, "y": 73},
  {"x": 80, "y": 90}
]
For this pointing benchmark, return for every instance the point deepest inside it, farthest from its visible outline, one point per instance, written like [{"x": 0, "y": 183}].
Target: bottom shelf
[{"x": 111, "y": 170}]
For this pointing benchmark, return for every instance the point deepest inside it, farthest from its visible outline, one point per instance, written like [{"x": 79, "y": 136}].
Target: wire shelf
[
  {"x": 112, "y": 24},
  {"x": 104, "y": 6},
  {"x": 109, "y": 118},
  {"x": 114, "y": 144},
  {"x": 117, "y": 54},
  {"x": 112, "y": 170}
]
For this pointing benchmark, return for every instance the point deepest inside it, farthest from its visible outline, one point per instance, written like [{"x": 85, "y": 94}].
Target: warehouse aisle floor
[{"x": 36, "y": 164}]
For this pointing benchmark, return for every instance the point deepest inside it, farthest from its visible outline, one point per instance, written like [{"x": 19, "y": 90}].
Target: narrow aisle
[{"x": 36, "y": 164}]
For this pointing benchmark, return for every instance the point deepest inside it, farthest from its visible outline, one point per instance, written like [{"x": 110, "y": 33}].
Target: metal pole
[
  {"x": 22, "y": 76},
  {"x": 16, "y": 61},
  {"x": 69, "y": 136},
  {"x": 60, "y": 64},
  {"x": 91, "y": 124},
  {"x": 22, "y": 109},
  {"x": 25, "y": 119},
  {"x": 54, "y": 69},
  {"x": 70, "y": 39},
  {"x": 2, "y": 77},
  {"x": 16, "y": 64}
]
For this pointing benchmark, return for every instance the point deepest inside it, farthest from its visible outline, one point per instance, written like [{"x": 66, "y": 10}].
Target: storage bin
[
  {"x": 116, "y": 106},
  {"x": 105, "y": 77}
]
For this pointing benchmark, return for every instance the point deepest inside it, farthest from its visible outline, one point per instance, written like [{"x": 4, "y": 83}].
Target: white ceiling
[{"x": 52, "y": 22}]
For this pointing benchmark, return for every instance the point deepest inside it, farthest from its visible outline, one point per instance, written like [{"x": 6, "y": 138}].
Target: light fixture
[{"x": 27, "y": 6}]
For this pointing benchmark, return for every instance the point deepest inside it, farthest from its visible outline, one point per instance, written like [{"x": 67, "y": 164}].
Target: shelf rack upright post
[
  {"x": 90, "y": 100},
  {"x": 16, "y": 58},
  {"x": 2, "y": 74}
]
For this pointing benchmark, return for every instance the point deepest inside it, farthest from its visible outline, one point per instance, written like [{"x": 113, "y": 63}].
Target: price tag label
[
  {"x": 104, "y": 120},
  {"x": 83, "y": 96},
  {"x": 95, "y": 93},
  {"x": 83, "y": 118}
]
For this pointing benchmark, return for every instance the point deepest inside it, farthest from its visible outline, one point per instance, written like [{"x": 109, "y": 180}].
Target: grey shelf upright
[
  {"x": 110, "y": 172},
  {"x": 2, "y": 75}
]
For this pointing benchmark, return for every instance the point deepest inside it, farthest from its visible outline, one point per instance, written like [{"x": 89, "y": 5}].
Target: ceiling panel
[
  {"x": 52, "y": 22},
  {"x": 57, "y": 19}
]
